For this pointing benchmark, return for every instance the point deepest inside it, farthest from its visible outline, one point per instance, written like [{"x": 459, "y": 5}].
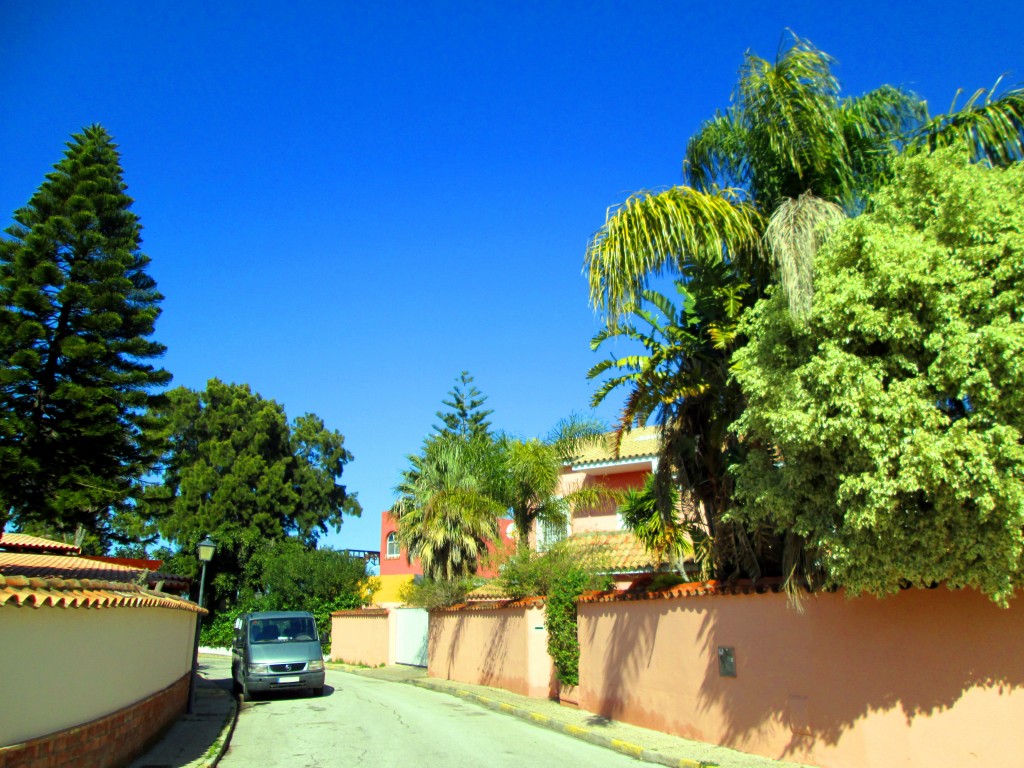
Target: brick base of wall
[{"x": 114, "y": 740}]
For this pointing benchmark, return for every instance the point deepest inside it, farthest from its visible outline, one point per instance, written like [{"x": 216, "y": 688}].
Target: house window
[
  {"x": 393, "y": 549},
  {"x": 550, "y": 533}
]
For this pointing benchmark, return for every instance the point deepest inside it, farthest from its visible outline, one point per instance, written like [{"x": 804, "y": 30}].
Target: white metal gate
[{"x": 411, "y": 626}]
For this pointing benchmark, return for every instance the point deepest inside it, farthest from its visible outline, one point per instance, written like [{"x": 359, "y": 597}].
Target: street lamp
[{"x": 205, "y": 552}]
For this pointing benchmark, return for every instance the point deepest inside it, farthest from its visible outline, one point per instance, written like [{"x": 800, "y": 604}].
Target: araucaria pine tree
[{"x": 77, "y": 308}]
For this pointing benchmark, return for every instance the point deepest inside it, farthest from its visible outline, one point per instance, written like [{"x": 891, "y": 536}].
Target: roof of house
[
  {"x": 22, "y": 542},
  {"x": 63, "y": 567},
  {"x": 639, "y": 443},
  {"x": 85, "y": 593},
  {"x": 614, "y": 552}
]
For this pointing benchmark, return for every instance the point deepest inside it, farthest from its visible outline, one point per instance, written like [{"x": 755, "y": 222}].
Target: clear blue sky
[{"x": 346, "y": 204}]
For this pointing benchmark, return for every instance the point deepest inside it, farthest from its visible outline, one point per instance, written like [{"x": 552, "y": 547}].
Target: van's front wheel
[{"x": 246, "y": 693}]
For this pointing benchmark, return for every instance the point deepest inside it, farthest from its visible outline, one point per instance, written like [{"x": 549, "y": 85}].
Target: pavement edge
[
  {"x": 220, "y": 746},
  {"x": 578, "y": 731}
]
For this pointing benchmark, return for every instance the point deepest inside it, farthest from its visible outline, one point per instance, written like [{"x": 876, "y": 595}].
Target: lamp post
[{"x": 205, "y": 552}]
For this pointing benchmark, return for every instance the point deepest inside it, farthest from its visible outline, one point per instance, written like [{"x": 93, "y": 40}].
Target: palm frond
[
  {"x": 990, "y": 127},
  {"x": 795, "y": 231},
  {"x": 716, "y": 156},
  {"x": 654, "y": 232},
  {"x": 793, "y": 139}
]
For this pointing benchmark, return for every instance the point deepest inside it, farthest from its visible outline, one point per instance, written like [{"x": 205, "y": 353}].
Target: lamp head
[{"x": 206, "y": 549}]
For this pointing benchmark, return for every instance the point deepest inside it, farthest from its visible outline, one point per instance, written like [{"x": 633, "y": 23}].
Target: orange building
[{"x": 396, "y": 570}]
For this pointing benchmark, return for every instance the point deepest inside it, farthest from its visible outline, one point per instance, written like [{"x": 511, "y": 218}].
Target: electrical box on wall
[{"x": 726, "y": 661}]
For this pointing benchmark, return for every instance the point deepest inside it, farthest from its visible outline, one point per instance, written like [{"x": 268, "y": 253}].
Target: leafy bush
[
  {"x": 563, "y": 573},
  {"x": 294, "y": 578},
  {"x": 886, "y": 430},
  {"x": 430, "y": 593}
]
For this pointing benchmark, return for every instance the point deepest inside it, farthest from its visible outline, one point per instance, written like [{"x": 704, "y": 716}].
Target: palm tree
[
  {"x": 446, "y": 512},
  {"x": 682, "y": 382},
  {"x": 764, "y": 183},
  {"x": 786, "y": 157},
  {"x": 530, "y": 472}
]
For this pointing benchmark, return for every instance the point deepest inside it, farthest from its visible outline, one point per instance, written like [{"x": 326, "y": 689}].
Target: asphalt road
[{"x": 365, "y": 722}]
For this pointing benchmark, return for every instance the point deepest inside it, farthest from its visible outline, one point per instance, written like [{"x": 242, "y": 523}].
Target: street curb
[
  {"x": 224, "y": 739},
  {"x": 577, "y": 731}
]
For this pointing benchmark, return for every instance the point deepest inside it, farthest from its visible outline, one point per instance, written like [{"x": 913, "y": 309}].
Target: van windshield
[{"x": 282, "y": 630}]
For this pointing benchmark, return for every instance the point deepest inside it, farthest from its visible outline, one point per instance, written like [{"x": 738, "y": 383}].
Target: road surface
[{"x": 365, "y": 722}]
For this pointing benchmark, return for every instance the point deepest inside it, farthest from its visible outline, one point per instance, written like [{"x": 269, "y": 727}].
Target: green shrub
[{"x": 430, "y": 593}]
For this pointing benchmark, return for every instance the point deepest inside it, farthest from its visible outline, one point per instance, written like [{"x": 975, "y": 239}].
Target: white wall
[{"x": 62, "y": 667}]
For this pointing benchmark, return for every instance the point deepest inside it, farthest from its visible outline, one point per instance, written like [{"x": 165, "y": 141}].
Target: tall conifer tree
[
  {"x": 465, "y": 417},
  {"x": 77, "y": 308}
]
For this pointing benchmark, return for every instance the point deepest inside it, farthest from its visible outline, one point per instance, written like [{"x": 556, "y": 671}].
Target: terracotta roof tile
[
  {"x": 614, "y": 551},
  {"x": 641, "y": 442},
  {"x": 23, "y": 542},
  {"x": 692, "y": 589},
  {"x": 491, "y": 605},
  {"x": 362, "y": 613},
  {"x": 62, "y": 567},
  {"x": 85, "y": 593},
  {"x": 490, "y": 591}
]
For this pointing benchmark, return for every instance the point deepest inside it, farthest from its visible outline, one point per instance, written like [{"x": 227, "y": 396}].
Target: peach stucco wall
[
  {"x": 923, "y": 679},
  {"x": 503, "y": 648},
  {"x": 604, "y": 517},
  {"x": 63, "y": 667},
  {"x": 361, "y": 637}
]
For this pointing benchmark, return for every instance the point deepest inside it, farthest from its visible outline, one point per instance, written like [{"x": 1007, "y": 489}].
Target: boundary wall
[
  {"x": 922, "y": 679},
  {"x": 364, "y": 636},
  {"x": 502, "y": 647},
  {"x": 92, "y": 675}
]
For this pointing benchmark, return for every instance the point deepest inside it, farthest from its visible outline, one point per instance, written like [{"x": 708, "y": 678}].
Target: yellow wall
[{"x": 389, "y": 587}]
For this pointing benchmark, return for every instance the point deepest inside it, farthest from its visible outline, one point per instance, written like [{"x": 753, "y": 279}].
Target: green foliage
[
  {"x": 562, "y": 574},
  {"x": 218, "y": 630},
  {"x": 668, "y": 536},
  {"x": 464, "y": 419},
  {"x": 77, "y": 308},
  {"x": 886, "y": 431},
  {"x": 431, "y": 593},
  {"x": 291, "y": 577},
  {"x": 561, "y": 623},
  {"x": 527, "y": 476},
  {"x": 238, "y": 471},
  {"x": 766, "y": 180},
  {"x": 682, "y": 382},
  {"x": 446, "y": 510}
]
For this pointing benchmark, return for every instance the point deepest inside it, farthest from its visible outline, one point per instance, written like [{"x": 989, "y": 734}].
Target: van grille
[{"x": 297, "y": 667}]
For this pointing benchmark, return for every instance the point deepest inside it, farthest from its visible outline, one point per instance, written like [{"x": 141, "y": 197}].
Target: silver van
[{"x": 276, "y": 651}]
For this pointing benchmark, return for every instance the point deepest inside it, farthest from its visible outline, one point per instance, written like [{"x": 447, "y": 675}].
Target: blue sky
[{"x": 347, "y": 204}]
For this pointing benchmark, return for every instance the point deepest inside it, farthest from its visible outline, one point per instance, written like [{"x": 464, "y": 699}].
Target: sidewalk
[
  {"x": 642, "y": 743},
  {"x": 197, "y": 740}
]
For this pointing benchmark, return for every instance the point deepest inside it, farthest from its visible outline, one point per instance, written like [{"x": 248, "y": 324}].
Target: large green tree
[
  {"x": 886, "y": 430},
  {"x": 238, "y": 471},
  {"x": 465, "y": 416},
  {"x": 765, "y": 182},
  {"x": 77, "y": 310}
]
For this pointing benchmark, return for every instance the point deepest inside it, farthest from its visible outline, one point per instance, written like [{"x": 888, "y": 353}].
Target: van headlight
[
  {"x": 315, "y": 665},
  {"x": 258, "y": 669}
]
